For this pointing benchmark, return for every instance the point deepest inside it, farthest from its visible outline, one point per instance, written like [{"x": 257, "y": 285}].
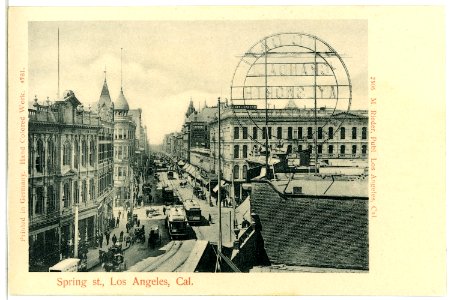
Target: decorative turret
[{"x": 191, "y": 109}]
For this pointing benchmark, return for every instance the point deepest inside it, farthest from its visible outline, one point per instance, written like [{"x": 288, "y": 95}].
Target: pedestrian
[
  {"x": 127, "y": 227},
  {"x": 100, "y": 240},
  {"x": 164, "y": 210},
  {"x": 119, "y": 214},
  {"x": 117, "y": 222},
  {"x": 121, "y": 237},
  {"x": 138, "y": 222},
  {"x": 209, "y": 218},
  {"x": 114, "y": 239},
  {"x": 107, "y": 236}
]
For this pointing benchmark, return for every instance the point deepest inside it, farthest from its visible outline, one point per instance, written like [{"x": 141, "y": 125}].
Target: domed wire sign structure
[{"x": 290, "y": 76}]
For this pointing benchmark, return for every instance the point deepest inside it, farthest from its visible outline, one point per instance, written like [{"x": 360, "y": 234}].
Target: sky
[{"x": 167, "y": 63}]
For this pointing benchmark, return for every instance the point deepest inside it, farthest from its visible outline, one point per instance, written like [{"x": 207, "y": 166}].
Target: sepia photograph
[
  {"x": 225, "y": 151},
  {"x": 151, "y": 150}
]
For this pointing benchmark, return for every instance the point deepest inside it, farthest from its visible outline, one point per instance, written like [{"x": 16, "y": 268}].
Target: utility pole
[
  {"x": 76, "y": 231},
  {"x": 218, "y": 258},
  {"x": 266, "y": 113}
]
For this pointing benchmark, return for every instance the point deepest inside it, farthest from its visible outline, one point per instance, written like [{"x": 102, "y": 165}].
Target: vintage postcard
[{"x": 226, "y": 151}]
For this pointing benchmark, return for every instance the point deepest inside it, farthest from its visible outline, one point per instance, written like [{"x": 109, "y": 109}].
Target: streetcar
[
  {"x": 176, "y": 222},
  {"x": 193, "y": 211}
]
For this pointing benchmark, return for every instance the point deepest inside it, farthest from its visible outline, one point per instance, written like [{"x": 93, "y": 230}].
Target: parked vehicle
[{"x": 69, "y": 265}]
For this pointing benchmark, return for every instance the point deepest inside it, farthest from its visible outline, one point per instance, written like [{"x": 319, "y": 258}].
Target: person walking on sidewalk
[
  {"x": 107, "y": 236},
  {"x": 119, "y": 214},
  {"x": 114, "y": 239},
  {"x": 117, "y": 222}
]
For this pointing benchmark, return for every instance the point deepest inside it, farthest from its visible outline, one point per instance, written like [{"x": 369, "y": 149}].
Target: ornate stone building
[
  {"x": 62, "y": 174},
  {"x": 124, "y": 150}
]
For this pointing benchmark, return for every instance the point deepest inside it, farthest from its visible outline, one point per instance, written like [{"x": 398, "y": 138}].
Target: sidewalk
[{"x": 93, "y": 254}]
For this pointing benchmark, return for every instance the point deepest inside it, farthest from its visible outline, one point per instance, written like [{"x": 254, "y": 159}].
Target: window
[
  {"x": 354, "y": 149},
  {"x": 244, "y": 172},
  {"x": 84, "y": 192},
  {"x": 342, "y": 149},
  {"x": 254, "y": 133},
  {"x": 91, "y": 189},
  {"x": 66, "y": 154},
  {"x": 289, "y": 149},
  {"x": 290, "y": 133},
  {"x": 244, "y": 151},
  {"x": 236, "y": 151},
  {"x": 245, "y": 135},
  {"x": 364, "y": 149},
  {"x": 84, "y": 153},
  {"x": 236, "y": 172},
  {"x": 51, "y": 205},
  {"x": 76, "y": 153},
  {"x": 354, "y": 133},
  {"x": 91, "y": 153},
  {"x": 269, "y": 132},
  {"x": 331, "y": 149},
  {"x": 236, "y": 133},
  {"x": 331, "y": 133},
  {"x": 310, "y": 133},
  {"x": 310, "y": 148},
  {"x": 279, "y": 133},
  {"x": 39, "y": 208},
  {"x": 40, "y": 156},
  {"x": 66, "y": 195},
  {"x": 363, "y": 133},
  {"x": 51, "y": 155},
  {"x": 264, "y": 133},
  {"x": 299, "y": 133},
  {"x": 320, "y": 133},
  {"x": 299, "y": 148},
  {"x": 320, "y": 149},
  {"x": 342, "y": 133},
  {"x": 76, "y": 193}
]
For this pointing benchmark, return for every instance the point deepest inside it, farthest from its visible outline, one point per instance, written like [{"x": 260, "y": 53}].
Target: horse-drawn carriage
[
  {"x": 154, "y": 237},
  {"x": 139, "y": 235},
  {"x": 113, "y": 260}
]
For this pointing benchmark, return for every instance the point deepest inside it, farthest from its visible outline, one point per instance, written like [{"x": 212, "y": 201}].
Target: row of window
[
  {"x": 69, "y": 154},
  {"x": 123, "y": 134},
  {"x": 67, "y": 192},
  {"x": 320, "y": 134},
  {"x": 39, "y": 207},
  {"x": 330, "y": 150},
  {"x": 236, "y": 172},
  {"x": 122, "y": 151},
  {"x": 120, "y": 172},
  {"x": 105, "y": 152}
]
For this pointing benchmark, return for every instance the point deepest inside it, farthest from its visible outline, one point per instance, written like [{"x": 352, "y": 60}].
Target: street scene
[{"x": 142, "y": 158}]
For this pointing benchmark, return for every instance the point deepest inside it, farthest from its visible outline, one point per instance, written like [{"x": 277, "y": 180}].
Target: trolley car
[
  {"x": 193, "y": 211},
  {"x": 176, "y": 222}
]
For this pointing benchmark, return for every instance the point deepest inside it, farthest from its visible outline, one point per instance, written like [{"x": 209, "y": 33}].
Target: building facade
[
  {"x": 63, "y": 173},
  {"x": 124, "y": 151}
]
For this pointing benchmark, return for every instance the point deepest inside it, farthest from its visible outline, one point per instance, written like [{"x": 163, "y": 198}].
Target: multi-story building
[
  {"x": 105, "y": 110},
  {"x": 338, "y": 135},
  {"x": 124, "y": 150},
  {"x": 62, "y": 174}
]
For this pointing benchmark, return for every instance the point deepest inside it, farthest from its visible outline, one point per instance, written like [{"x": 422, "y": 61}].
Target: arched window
[
  {"x": 236, "y": 151},
  {"x": 254, "y": 133},
  {"x": 320, "y": 149},
  {"x": 289, "y": 149},
  {"x": 331, "y": 133},
  {"x": 51, "y": 155},
  {"x": 342, "y": 133},
  {"x": 39, "y": 207},
  {"x": 245, "y": 172},
  {"x": 236, "y": 172},
  {"x": 299, "y": 148},
  {"x": 320, "y": 133},
  {"x": 290, "y": 133},
  {"x": 244, "y": 151},
  {"x": 76, "y": 153},
  {"x": 354, "y": 149},
  {"x": 310, "y": 133},
  {"x": 66, "y": 154},
  {"x": 364, "y": 149},
  {"x": 363, "y": 133},
  {"x": 331, "y": 149},
  {"x": 40, "y": 156},
  {"x": 84, "y": 153},
  {"x": 354, "y": 133},
  {"x": 342, "y": 149}
]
